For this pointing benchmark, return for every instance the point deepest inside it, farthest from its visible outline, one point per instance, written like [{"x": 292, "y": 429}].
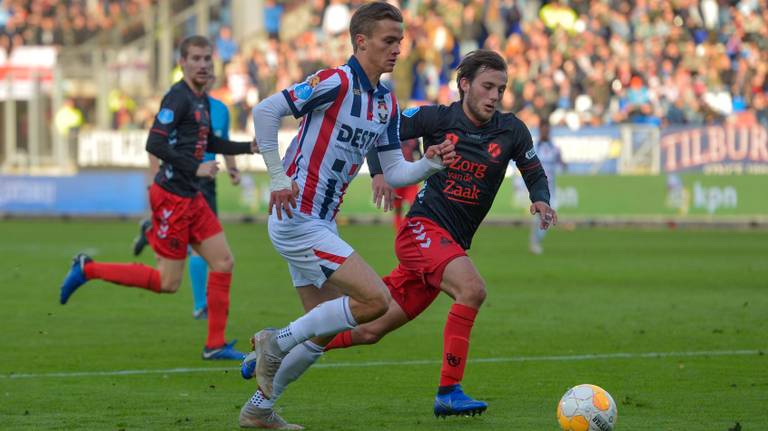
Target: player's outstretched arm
[
  {"x": 223, "y": 146},
  {"x": 266, "y": 121},
  {"x": 399, "y": 172}
]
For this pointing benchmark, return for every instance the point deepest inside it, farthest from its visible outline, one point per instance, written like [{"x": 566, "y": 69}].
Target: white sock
[
  {"x": 295, "y": 363},
  {"x": 259, "y": 400},
  {"x": 328, "y": 318}
]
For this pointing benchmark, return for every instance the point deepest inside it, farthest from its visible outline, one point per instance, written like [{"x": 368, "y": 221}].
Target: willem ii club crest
[{"x": 382, "y": 111}]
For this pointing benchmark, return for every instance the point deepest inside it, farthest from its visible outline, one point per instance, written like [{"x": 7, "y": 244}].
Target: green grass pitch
[{"x": 697, "y": 298}]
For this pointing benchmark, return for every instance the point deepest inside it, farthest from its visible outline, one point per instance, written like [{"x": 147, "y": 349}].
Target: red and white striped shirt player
[
  {"x": 342, "y": 117},
  {"x": 345, "y": 112}
]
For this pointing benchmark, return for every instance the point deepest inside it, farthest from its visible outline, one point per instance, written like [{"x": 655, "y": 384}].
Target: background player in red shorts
[{"x": 180, "y": 136}]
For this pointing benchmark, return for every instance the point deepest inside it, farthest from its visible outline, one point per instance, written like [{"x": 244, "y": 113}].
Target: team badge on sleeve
[
  {"x": 303, "y": 91},
  {"x": 410, "y": 112},
  {"x": 165, "y": 116},
  {"x": 530, "y": 154}
]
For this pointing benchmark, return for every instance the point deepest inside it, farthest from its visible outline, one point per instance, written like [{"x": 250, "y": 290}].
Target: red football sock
[
  {"x": 218, "y": 307},
  {"x": 126, "y": 274},
  {"x": 456, "y": 343},
  {"x": 342, "y": 340}
]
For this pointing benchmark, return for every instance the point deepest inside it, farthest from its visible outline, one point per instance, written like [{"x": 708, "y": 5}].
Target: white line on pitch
[{"x": 564, "y": 358}]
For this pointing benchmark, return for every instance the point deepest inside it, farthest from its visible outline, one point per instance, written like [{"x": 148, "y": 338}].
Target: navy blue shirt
[{"x": 459, "y": 197}]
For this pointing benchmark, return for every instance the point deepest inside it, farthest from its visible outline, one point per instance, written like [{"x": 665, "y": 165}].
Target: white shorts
[{"x": 312, "y": 247}]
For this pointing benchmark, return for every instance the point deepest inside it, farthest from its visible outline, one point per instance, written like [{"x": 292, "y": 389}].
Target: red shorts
[
  {"x": 178, "y": 221},
  {"x": 424, "y": 249},
  {"x": 406, "y": 194}
]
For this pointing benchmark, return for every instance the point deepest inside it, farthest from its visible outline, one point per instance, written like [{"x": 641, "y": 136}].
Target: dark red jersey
[{"x": 459, "y": 197}]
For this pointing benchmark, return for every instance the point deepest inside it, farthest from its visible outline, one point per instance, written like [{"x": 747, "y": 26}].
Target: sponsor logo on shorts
[
  {"x": 162, "y": 230},
  {"x": 420, "y": 235}
]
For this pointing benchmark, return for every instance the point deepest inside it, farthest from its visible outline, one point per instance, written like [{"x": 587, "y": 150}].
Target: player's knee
[
  {"x": 170, "y": 285},
  {"x": 473, "y": 292},
  {"x": 374, "y": 306},
  {"x": 223, "y": 264},
  {"x": 377, "y": 306}
]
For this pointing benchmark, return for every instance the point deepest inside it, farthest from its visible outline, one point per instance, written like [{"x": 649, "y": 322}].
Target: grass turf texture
[{"x": 593, "y": 292}]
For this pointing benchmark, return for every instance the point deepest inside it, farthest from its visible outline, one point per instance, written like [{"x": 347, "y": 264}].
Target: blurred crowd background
[{"x": 577, "y": 63}]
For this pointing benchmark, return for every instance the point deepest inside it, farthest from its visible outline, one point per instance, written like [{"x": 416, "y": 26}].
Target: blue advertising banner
[
  {"x": 87, "y": 193},
  {"x": 723, "y": 150},
  {"x": 587, "y": 151}
]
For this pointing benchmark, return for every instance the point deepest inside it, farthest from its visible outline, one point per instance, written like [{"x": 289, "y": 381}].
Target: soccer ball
[{"x": 586, "y": 408}]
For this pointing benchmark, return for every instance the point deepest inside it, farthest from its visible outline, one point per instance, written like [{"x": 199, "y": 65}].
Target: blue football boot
[
  {"x": 456, "y": 403},
  {"x": 75, "y": 277},
  {"x": 225, "y": 352},
  {"x": 141, "y": 241},
  {"x": 248, "y": 367}
]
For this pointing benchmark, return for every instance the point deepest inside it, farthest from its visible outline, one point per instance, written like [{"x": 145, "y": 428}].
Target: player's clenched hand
[
  {"x": 255, "y": 147},
  {"x": 284, "y": 200},
  {"x": 382, "y": 192},
  {"x": 445, "y": 151},
  {"x": 208, "y": 169},
  {"x": 547, "y": 215}
]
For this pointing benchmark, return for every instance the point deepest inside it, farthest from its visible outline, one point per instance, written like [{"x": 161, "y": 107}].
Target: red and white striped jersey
[{"x": 342, "y": 117}]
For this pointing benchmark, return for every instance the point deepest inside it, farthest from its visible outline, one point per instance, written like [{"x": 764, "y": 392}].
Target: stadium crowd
[
  {"x": 577, "y": 62},
  {"x": 61, "y": 23}
]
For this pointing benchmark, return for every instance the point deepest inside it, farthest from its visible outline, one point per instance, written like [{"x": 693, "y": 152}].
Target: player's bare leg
[
  {"x": 371, "y": 332},
  {"x": 463, "y": 283},
  {"x": 365, "y": 297},
  {"x": 216, "y": 252},
  {"x": 171, "y": 273}
]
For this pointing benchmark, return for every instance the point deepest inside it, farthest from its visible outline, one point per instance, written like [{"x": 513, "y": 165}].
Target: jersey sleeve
[
  {"x": 316, "y": 93},
  {"x": 173, "y": 108},
  {"x": 529, "y": 165},
  {"x": 419, "y": 121}
]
